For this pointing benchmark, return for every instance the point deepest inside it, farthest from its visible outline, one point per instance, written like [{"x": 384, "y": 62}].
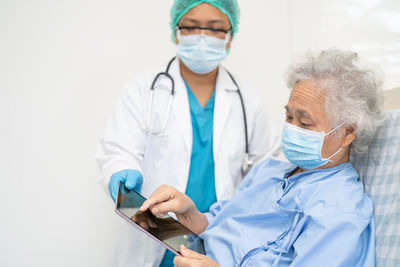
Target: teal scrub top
[{"x": 201, "y": 183}]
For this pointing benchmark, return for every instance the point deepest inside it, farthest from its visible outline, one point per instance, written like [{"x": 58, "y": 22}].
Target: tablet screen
[{"x": 165, "y": 230}]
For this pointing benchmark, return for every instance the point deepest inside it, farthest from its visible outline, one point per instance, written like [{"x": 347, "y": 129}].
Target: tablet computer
[{"x": 165, "y": 230}]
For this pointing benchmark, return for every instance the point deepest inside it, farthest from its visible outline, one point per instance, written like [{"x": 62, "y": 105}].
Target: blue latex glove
[{"x": 133, "y": 181}]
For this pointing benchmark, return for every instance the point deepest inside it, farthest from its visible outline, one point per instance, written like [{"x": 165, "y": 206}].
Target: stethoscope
[{"x": 246, "y": 163}]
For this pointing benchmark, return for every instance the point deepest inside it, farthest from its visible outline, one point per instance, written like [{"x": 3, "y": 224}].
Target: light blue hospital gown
[{"x": 315, "y": 218}]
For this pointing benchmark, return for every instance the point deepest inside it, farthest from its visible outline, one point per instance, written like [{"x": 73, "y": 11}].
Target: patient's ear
[{"x": 350, "y": 135}]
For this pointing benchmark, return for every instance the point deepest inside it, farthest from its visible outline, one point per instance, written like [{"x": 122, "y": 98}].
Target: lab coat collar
[
  {"x": 180, "y": 105},
  {"x": 222, "y": 107},
  {"x": 225, "y": 80}
]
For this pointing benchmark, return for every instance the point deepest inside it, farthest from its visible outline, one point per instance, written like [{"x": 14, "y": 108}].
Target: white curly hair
[{"x": 354, "y": 94}]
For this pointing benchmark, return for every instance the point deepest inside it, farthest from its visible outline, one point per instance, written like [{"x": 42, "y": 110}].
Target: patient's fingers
[
  {"x": 163, "y": 208},
  {"x": 162, "y": 194},
  {"x": 190, "y": 258},
  {"x": 189, "y": 253}
]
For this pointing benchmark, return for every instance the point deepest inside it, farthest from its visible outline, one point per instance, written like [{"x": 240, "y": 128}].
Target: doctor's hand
[
  {"x": 190, "y": 258},
  {"x": 133, "y": 181},
  {"x": 167, "y": 199}
]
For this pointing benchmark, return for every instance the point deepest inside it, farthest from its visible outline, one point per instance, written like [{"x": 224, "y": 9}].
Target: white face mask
[
  {"x": 201, "y": 53},
  {"x": 303, "y": 147}
]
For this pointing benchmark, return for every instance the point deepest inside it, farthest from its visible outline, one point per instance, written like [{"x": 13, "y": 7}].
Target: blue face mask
[
  {"x": 201, "y": 53},
  {"x": 303, "y": 147}
]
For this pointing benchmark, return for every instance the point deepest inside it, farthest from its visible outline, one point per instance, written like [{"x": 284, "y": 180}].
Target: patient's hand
[
  {"x": 167, "y": 199},
  {"x": 190, "y": 258}
]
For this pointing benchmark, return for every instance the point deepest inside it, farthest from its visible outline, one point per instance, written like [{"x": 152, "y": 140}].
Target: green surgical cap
[{"x": 228, "y": 7}]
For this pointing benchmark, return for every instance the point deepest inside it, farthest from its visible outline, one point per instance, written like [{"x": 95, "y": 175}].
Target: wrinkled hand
[
  {"x": 167, "y": 199},
  {"x": 190, "y": 258}
]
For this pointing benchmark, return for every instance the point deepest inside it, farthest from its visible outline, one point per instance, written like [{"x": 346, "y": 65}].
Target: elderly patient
[{"x": 312, "y": 211}]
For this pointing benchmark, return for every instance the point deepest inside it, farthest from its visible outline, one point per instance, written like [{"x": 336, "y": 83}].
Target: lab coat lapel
[
  {"x": 180, "y": 106},
  {"x": 222, "y": 107}
]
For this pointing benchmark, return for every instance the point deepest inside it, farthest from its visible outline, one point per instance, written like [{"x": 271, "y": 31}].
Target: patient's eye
[
  {"x": 305, "y": 124},
  {"x": 289, "y": 118}
]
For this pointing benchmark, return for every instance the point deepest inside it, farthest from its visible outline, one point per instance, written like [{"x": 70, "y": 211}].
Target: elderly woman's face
[{"x": 305, "y": 109}]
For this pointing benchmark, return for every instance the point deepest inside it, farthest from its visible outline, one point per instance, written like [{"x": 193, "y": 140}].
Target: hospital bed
[{"x": 379, "y": 170}]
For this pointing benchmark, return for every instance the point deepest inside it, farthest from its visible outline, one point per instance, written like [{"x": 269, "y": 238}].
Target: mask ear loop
[
  {"x": 228, "y": 36},
  {"x": 331, "y": 131},
  {"x": 334, "y": 154},
  {"x": 334, "y": 129},
  {"x": 178, "y": 33}
]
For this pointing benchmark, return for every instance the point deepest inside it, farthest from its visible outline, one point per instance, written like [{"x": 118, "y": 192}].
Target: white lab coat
[{"x": 165, "y": 159}]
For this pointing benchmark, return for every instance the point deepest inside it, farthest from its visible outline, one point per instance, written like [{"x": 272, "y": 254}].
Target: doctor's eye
[
  {"x": 214, "y": 32},
  {"x": 189, "y": 30}
]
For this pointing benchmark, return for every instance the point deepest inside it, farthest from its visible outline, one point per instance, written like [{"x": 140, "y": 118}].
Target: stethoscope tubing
[{"x": 172, "y": 93}]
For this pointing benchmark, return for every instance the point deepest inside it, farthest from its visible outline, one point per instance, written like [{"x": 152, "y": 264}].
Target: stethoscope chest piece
[{"x": 247, "y": 164}]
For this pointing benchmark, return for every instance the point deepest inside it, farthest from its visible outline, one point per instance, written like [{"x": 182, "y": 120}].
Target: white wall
[
  {"x": 369, "y": 27},
  {"x": 62, "y": 66}
]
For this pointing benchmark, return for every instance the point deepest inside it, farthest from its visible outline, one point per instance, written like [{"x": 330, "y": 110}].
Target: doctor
[{"x": 191, "y": 124}]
